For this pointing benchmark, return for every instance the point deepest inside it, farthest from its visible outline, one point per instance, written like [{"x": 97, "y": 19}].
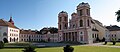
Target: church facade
[{"x": 81, "y": 27}]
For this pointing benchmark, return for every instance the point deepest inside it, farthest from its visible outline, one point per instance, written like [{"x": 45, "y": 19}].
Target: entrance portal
[{"x": 5, "y": 40}]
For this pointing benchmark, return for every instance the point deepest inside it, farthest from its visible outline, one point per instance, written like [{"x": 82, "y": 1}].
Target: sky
[{"x": 36, "y": 14}]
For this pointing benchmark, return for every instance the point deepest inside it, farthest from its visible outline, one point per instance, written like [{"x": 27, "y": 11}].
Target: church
[{"x": 81, "y": 27}]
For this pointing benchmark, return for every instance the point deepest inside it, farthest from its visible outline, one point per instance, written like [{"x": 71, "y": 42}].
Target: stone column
[
  {"x": 71, "y": 36},
  {"x": 66, "y": 36},
  {"x": 74, "y": 36}
]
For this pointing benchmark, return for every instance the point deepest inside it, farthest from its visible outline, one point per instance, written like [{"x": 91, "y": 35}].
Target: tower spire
[{"x": 11, "y": 21}]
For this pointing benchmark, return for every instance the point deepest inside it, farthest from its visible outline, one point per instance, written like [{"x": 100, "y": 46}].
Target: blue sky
[{"x": 36, "y": 14}]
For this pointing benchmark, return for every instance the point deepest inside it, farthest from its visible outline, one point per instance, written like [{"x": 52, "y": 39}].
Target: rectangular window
[
  {"x": 60, "y": 19},
  {"x": 65, "y": 19},
  {"x": 106, "y": 35},
  {"x": 115, "y": 35},
  {"x": 88, "y": 12},
  {"x": 92, "y": 35},
  {"x": 81, "y": 38},
  {"x": 97, "y": 35},
  {"x": 112, "y": 35},
  {"x": 21, "y": 39},
  {"x": 80, "y": 12}
]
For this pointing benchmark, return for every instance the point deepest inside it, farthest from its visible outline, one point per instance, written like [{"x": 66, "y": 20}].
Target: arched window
[
  {"x": 14, "y": 39},
  {"x": 17, "y": 39},
  {"x": 5, "y": 40},
  {"x": 65, "y": 19},
  {"x": 92, "y": 35},
  {"x": 65, "y": 26},
  {"x": 88, "y": 12},
  {"x": 60, "y": 27},
  {"x": 88, "y": 22},
  {"x": 10, "y": 39},
  {"x": 81, "y": 38},
  {"x": 4, "y": 34},
  {"x": 81, "y": 23},
  {"x": 60, "y": 19},
  {"x": 74, "y": 26}
]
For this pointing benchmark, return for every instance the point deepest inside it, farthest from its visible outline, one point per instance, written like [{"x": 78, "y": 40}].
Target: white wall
[
  {"x": 2, "y": 30},
  {"x": 33, "y": 37},
  {"x": 13, "y": 33}
]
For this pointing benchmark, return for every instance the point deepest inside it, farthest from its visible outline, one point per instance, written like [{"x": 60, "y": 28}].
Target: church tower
[
  {"x": 83, "y": 11},
  {"x": 62, "y": 24},
  {"x": 11, "y": 21},
  {"x": 62, "y": 20},
  {"x": 84, "y": 21}
]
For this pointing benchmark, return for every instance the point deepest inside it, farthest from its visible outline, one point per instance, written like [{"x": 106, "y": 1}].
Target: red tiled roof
[
  {"x": 5, "y": 23},
  {"x": 27, "y": 32}
]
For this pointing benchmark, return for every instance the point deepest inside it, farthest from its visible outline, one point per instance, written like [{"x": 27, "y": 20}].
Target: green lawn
[
  {"x": 76, "y": 49},
  {"x": 11, "y": 50}
]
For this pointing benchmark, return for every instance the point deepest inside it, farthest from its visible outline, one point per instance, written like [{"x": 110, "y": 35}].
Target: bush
[
  {"x": 114, "y": 42},
  {"x": 1, "y": 45},
  {"x": 68, "y": 48},
  {"x": 97, "y": 39},
  {"x": 105, "y": 42},
  {"x": 29, "y": 49}
]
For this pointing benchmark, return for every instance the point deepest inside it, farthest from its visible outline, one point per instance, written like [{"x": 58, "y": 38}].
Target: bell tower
[
  {"x": 83, "y": 11},
  {"x": 84, "y": 21},
  {"x": 11, "y": 21},
  {"x": 62, "y": 20}
]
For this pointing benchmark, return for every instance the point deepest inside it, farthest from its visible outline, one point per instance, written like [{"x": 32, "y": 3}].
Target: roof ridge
[{"x": 4, "y": 22}]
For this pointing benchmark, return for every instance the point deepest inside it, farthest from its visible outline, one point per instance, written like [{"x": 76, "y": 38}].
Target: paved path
[{"x": 101, "y": 44}]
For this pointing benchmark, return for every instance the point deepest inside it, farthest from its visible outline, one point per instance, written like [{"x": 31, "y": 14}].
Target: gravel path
[{"x": 101, "y": 44}]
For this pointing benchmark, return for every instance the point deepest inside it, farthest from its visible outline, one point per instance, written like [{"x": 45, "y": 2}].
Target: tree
[
  {"x": 29, "y": 49},
  {"x": 118, "y": 15},
  {"x": 114, "y": 41},
  {"x": 68, "y": 48},
  {"x": 1, "y": 45},
  {"x": 103, "y": 40},
  {"x": 97, "y": 39},
  {"x": 45, "y": 30}
]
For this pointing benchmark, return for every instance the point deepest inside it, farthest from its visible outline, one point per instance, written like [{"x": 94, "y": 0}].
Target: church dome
[
  {"x": 63, "y": 13},
  {"x": 73, "y": 14},
  {"x": 83, "y": 4}
]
